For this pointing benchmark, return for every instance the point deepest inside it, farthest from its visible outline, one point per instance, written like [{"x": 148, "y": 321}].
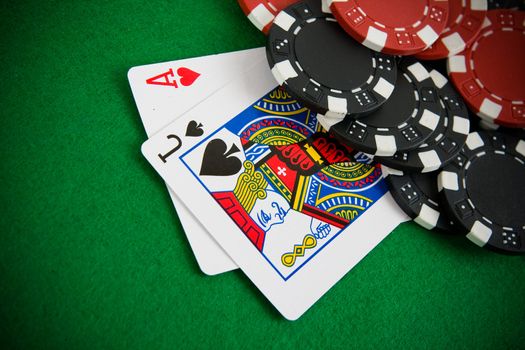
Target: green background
[{"x": 92, "y": 254}]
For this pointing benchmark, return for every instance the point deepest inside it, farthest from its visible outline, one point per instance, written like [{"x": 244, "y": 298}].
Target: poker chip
[
  {"x": 464, "y": 22},
  {"x": 447, "y": 139},
  {"x": 397, "y": 27},
  {"x": 417, "y": 195},
  {"x": 506, "y": 4},
  {"x": 519, "y": 133},
  {"x": 404, "y": 122},
  {"x": 318, "y": 64},
  {"x": 483, "y": 190},
  {"x": 262, "y": 12},
  {"x": 490, "y": 73}
]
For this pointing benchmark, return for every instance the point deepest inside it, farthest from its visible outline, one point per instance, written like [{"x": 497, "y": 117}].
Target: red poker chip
[
  {"x": 262, "y": 12},
  {"x": 465, "y": 20},
  {"x": 396, "y": 27},
  {"x": 490, "y": 74}
]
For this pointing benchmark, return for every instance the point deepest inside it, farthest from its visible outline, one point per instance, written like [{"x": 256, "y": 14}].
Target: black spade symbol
[
  {"x": 217, "y": 159},
  {"x": 193, "y": 129}
]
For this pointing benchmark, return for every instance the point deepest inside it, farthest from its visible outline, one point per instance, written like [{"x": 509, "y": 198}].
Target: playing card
[
  {"x": 287, "y": 202},
  {"x": 163, "y": 92}
]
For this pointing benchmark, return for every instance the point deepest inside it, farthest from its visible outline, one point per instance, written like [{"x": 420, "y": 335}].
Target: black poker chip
[
  {"x": 447, "y": 139},
  {"x": 516, "y": 132},
  {"x": 403, "y": 123},
  {"x": 483, "y": 190},
  {"x": 417, "y": 195},
  {"x": 506, "y": 4},
  {"x": 325, "y": 69}
]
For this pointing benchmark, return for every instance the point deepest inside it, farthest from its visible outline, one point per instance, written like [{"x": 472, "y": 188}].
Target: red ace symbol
[{"x": 186, "y": 78}]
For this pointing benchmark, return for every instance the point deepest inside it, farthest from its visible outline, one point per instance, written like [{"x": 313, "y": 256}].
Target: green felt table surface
[{"x": 92, "y": 253}]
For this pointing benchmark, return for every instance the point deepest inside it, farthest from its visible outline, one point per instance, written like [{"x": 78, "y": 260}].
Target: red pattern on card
[{"x": 239, "y": 215}]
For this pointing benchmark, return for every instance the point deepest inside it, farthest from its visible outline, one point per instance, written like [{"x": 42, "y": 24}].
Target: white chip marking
[
  {"x": 335, "y": 115},
  {"x": 335, "y": 118},
  {"x": 428, "y": 35},
  {"x": 457, "y": 64},
  {"x": 391, "y": 171},
  {"x": 375, "y": 39},
  {"x": 478, "y": 5},
  {"x": 454, "y": 43},
  {"x": 460, "y": 125},
  {"x": 448, "y": 180},
  {"x": 386, "y": 145},
  {"x": 474, "y": 141},
  {"x": 430, "y": 161},
  {"x": 326, "y": 6},
  {"x": 284, "y": 20},
  {"x": 479, "y": 234},
  {"x": 261, "y": 16},
  {"x": 438, "y": 79},
  {"x": 489, "y": 109},
  {"x": 418, "y": 71},
  {"x": 427, "y": 217},
  {"x": 283, "y": 71},
  {"x": 520, "y": 147},
  {"x": 384, "y": 88},
  {"x": 429, "y": 119},
  {"x": 327, "y": 123},
  {"x": 337, "y": 105}
]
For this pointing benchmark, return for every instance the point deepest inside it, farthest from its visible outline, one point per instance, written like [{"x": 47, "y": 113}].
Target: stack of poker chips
[{"x": 373, "y": 71}]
